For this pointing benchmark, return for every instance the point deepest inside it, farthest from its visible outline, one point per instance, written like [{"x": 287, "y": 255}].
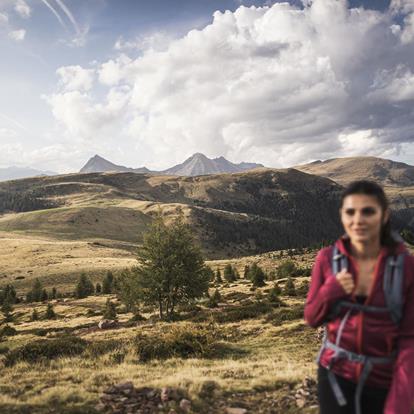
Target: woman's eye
[
  {"x": 368, "y": 211},
  {"x": 350, "y": 212}
]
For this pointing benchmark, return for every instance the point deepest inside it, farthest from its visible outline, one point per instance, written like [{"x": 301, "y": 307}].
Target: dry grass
[{"x": 261, "y": 357}]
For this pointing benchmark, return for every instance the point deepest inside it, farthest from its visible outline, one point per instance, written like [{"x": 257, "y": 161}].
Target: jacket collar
[{"x": 344, "y": 246}]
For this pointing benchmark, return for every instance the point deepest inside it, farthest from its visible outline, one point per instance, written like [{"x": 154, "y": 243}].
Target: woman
[{"x": 366, "y": 364}]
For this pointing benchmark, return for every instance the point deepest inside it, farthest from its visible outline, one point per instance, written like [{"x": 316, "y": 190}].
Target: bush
[
  {"x": 277, "y": 317},
  {"x": 35, "y": 315},
  {"x": 46, "y": 349},
  {"x": 238, "y": 313},
  {"x": 214, "y": 299},
  {"x": 303, "y": 289},
  {"x": 4, "y": 349},
  {"x": 286, "y": 269},
  {"x": 273, "y": 296},
  {"x": 183, "y": 342},
  {"x": 137, "y": 317},
  {"x": 229, "y": 274},
  {"x": 290, "y": 289},
  {"x": 96, "y": 349},
  {"x": 218, "y": 279},
  {"x": 50, "y": 313},
  {"x": 7, "y": 330},
  {"x": 110, "y": 310},
  {"x": 84, "y": 287},
  {"x": 40, "y": 332},
  {"x": 257, "y": 275}
]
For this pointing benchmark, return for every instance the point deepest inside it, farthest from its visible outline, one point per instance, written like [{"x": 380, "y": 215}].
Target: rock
[
  {"x": 235, "y": 410},
  {"x": 165, "y": 394},
  {"x": 100, "y": 407},
  {"x": 185, "y": 405},
  {"x": 126, "y": 399},
  {"x": 107, "y": 324},
  {"x": 125, "y": 386}
]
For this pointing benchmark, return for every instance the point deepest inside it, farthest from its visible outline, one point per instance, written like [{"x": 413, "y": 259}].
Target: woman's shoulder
[{"x": 324, "y": 254}]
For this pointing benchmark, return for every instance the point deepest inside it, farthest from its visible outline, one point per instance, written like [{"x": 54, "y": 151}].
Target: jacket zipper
[{"x": 367, "y": 300}]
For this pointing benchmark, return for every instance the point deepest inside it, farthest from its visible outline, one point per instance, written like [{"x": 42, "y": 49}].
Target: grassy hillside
[
  {"x": 255, "y": 360},
  {"x": 231, "y": 214}
]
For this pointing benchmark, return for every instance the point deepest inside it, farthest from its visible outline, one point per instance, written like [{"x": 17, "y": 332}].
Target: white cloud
[
  {"x": 157, "y": 41},
  {"x": 17, "y": 35},
  {"x": 75, "y": 78},
  {"x": 4, "y": 19},
  {"x": 23, "y": 9},
  {"x": 278, "y": 85},
  {"x": 114, "y": 71},
  {"x": 85, "y": 119}
]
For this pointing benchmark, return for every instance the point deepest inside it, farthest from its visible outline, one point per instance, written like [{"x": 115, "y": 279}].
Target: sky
[{"x": 149, "y": 83}]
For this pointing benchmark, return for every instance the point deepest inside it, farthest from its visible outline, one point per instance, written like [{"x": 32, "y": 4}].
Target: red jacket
[{"x": 367, "y": 333}]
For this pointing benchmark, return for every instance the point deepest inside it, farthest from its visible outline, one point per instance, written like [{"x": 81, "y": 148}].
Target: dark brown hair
[{"x": 373, "y": 189}]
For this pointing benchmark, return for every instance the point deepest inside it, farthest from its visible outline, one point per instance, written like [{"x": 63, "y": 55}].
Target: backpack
[{"x": 392, "y": 286}]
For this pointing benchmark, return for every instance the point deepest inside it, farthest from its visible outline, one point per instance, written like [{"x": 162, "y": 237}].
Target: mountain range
[
  {"x": 232, "y": 214},
  {"x": 197, "y": 164},
  {"x": 344, "y": 170},
  {"x": 13, "y": 173}
]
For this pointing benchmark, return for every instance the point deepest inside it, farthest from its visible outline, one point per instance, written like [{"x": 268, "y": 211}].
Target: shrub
[
  {"x": 7, "y": 330},
  {"x": 257, "y": 275},
  {"x": 214, "y": 299},
  {"x": 273, "y": 296},
  {"x": 4, "y": 349},
  {"x": 110, "y": 310},
  {"x": 107, "y": 285},
  {"x": 229, "y": 274},
  {"x": 96, "y": 349},
  {"x": 50, "y": 313},
  {"x": 286, "y": 269},
  {"x": 35, "y": 315},
  {"x": 178, "y": 341},
  {"x": 290, "y": 289},
  {"x": 46, "y": 349},
  {"x": 218, "y": 278},
  {"x": 137, "y": 317},
  {"x": 238, "y": 313},
  {"x": 208, "y": 389},
  {"x": 303, "y": 289},
  {"x": 277, "y": 317},
  {"x": 84, "y": 287}
]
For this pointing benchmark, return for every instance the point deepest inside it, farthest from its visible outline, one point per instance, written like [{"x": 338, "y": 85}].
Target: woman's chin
[{"x": 361, "y": 238}]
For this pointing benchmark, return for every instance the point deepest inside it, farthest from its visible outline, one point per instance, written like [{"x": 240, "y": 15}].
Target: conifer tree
[
  {"x": 44, "y": 296},
  {"x": 50, "y": 313},
  {"x": 172, "y": 269},
  {"x": 257, "y": 275},
  {"x": 218, "y": 278},
  {"x": 290, "y": 289},
  {"x": 35, "y": 315},
  {"x": 53, "y": 293},
  {"x": 229, "y": 273},
  {"x": 7, "y": 310},
  {"x": 35, "y": 294},
  {"x": 107, "y": 285},
  {"x": 84, "y": 287},
  {"x": 110, "y": 310}
]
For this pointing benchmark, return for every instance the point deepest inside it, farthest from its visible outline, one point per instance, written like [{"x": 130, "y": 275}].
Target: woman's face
[{"x": 362, "y": 217}]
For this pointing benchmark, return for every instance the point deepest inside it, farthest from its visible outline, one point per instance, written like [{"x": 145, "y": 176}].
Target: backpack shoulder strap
[
  {"x": 339, "y": 261},
  {"x": 393, "y": 286}
]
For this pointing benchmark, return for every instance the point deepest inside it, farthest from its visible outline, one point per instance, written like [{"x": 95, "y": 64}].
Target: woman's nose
[{"x": 359, "y": 217}]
